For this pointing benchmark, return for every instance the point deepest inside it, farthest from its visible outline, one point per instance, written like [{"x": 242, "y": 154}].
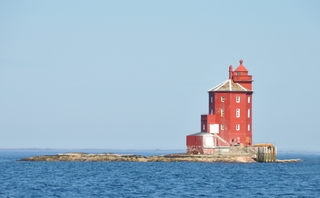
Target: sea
[{"x": 156, "y": 179}]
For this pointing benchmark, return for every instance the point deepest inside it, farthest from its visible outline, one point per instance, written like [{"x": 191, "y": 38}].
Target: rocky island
[
  {"x": 83, "y": 157},
  {"x": 233, "y": 155}
]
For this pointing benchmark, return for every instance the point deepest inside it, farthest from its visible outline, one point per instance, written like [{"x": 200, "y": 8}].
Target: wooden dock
[{"x": 268, "y": 153}]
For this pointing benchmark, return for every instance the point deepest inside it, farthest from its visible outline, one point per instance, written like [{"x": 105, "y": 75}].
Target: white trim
[
  {"x": 222, "y": 112},
  {"x": 218, "y": 86},
  {"x": 238, "y": 112},
  {"x": 238, "y": 99},
  {"x": 242, "y": 87},
  {"x": 238, "y": 127}
]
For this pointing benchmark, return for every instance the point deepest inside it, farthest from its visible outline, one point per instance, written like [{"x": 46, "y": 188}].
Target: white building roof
[
  {"x": 229, "y": 85},
  {"x": 202, "y": 134}
]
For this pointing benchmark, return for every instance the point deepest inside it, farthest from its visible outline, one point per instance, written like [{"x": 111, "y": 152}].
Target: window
[
  {"x": 222, "y": 126},
  {"x": 222, "y": 113},
  {"x": 211, "y": 99},
  {"x": 238, "y": 113},
  {"x": 214, "y": 128},
  {"x": 211, "y": 111},
  {"x": 249, "y": 99},
  {"x": 237, "y": 127},
  {"x": 248, "y": 127},
  {"x": 248, "y": 113},
  {"x": 238, "y": 73},
  {"x": 203, "y": 127},
  {"x": 222, "y": 98},
  {"x": 238, "y": 99}
]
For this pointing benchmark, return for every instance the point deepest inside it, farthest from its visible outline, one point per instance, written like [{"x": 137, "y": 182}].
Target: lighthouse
[{"x": 229, "y": 118}]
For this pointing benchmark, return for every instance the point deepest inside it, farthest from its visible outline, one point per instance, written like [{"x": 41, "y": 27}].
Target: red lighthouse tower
[{"x": 229, "y": 118}]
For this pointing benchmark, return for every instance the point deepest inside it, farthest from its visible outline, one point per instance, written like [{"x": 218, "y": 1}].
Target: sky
[{"x": 135, "y": 74}]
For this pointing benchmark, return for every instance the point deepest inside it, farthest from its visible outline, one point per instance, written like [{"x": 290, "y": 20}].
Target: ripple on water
[{"x": 134, "y": 179}]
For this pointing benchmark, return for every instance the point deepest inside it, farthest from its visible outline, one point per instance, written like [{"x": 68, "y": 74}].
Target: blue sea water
[{"x": 156, "y": 179}]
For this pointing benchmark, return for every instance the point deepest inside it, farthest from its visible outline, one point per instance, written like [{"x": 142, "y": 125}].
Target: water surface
[{"x": 156, "y": 179}]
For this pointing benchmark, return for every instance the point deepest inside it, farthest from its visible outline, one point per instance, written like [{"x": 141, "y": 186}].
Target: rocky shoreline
[
  {"x": 233, "y": 155},
  {"x": 83, "y": 157}
]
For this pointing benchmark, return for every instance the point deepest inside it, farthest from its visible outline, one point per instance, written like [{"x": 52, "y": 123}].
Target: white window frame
[
  {"x": 238, "y": 113},
  {"x": 222, "y": 112},
  {"x": 248, "y": 127},
  {"x": 238, "y": 127},
  {"x": 214, "y": 128},
  {"x": 248, "y": 113},
  {"x": 211, "y": 111},
  {"x": 211, "y": 99},
  {"x": 203, "y": 127},
  {"x": 222, "y": 99},
  {"x": 238, "y": 99},
  {"x": 249, "y": 99},
  {"x": 222, "y": 126}
]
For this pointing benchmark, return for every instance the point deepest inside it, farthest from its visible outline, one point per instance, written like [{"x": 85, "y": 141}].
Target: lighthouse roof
[
  {"x": 229, "y": 85},
  {"x": 241, "y": 67}
]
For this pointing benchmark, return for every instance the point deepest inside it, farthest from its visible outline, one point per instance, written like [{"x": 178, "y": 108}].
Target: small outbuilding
[{"x": 201, "y": 143}]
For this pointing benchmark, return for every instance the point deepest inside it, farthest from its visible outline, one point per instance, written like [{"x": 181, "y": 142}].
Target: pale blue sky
[{"x": 135, "y": 74}]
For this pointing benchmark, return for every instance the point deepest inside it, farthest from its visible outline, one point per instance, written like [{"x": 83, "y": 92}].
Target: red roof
[{"x": 241, "y": 68}]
